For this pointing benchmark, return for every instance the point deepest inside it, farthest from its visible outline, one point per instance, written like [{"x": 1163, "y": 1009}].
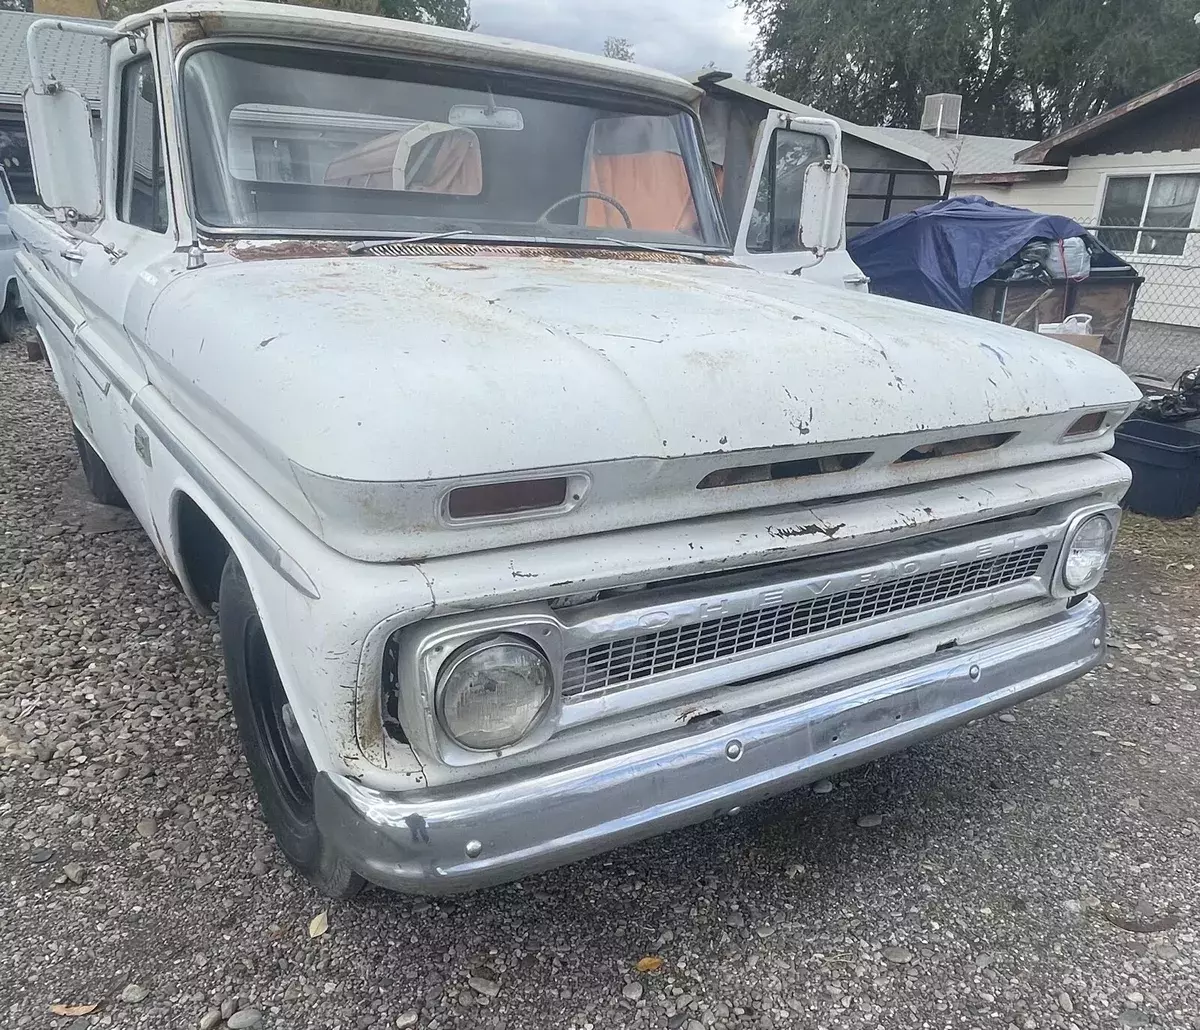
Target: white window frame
[{"x": 1191, "y": 245}]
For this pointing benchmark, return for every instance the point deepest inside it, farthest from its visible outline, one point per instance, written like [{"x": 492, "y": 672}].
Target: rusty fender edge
[{"x": 482, "y": 833}]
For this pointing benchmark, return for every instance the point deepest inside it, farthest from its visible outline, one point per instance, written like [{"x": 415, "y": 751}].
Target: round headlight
[
  {"x": 492, "y": 692},
  {"x": 1088, "y": 553}
]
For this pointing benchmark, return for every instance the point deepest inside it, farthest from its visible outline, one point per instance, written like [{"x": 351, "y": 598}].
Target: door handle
[{"x": 74, "y": 256}]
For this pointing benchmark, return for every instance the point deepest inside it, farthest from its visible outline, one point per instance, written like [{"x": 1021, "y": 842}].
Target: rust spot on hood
[
  {"x": 812, "y": 529},
  {"x": 283, "y": 250}
]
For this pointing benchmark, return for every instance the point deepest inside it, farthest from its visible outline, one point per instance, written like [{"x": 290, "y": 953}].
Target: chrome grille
[{"x": 626, "y": 661}]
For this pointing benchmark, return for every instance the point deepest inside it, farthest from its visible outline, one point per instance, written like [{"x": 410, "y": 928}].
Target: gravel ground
[{"x": 1038, "y": 869}]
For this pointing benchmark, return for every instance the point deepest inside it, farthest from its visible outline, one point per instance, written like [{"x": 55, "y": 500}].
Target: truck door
[
  {"x": 110, "y": 278},
  {"x": 769, "y": 237}
]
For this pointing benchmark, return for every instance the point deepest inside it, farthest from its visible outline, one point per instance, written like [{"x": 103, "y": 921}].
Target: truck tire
[
  {"x": 279, "y": 760},
  {"x": 10, "y": 317},
  {"x": 99, "y": 480}
]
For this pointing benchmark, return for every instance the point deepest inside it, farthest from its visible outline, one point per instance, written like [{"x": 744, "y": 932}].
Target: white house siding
[{"x": 1171, "y": 293}]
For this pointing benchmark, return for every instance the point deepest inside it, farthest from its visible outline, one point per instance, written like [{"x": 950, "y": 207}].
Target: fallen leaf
[
  {"x": 319, "y": 924},
  {"x": 649, "y": 964},
  {"x": 74, "y": 1010}
]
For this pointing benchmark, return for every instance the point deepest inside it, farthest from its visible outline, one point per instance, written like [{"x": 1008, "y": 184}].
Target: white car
[{"x": 537, "y": 519}]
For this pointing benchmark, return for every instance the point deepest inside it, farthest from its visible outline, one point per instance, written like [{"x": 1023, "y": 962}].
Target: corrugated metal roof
[
  {"x": 966, "y": 155},
  {"x": 80, "y": 62},
  {"x": 963, "y": 155},
  {"x": 863, "y": 132}
]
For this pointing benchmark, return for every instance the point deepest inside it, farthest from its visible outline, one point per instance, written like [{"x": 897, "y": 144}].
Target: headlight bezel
[
  {"x": 428, "y": 653},
  {"x": 1064, "y": 588},
  {"x": 471, "y": 650}
]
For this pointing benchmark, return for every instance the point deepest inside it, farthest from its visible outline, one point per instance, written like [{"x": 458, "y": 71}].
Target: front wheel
[
  {"x": 10, "y": 318},
  {"x": 279, "y": 760}
]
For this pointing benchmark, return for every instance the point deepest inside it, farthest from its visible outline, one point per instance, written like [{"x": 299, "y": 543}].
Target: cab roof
[{"x": 322, "y": 25}]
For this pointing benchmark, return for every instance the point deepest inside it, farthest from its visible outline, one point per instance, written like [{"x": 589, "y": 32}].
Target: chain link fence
[{"x": 1164, "y": 336}]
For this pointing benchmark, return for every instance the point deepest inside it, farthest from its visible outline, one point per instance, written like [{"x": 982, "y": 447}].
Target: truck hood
[
  {"x": 357, "y": 391},
  {"x": 401, "y": 369}
]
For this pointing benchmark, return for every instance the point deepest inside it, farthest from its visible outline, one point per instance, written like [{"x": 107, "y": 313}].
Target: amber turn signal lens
[
  {"x": 492, "y": 499},
  {"x": 1092, "y": 423}
]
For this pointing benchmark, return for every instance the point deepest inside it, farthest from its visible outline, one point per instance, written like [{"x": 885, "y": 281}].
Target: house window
[{"x": 1155, "y": 205}]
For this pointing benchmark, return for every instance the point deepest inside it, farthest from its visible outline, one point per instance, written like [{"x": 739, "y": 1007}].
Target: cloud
[{"x": 679, "y": 35}]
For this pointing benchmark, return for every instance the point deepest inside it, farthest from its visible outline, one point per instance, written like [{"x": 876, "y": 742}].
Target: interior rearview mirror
[
  {"x": 823, "y": 207},
  {"x": 59, "y": 125},
  {"x": 474, "y": 116}
]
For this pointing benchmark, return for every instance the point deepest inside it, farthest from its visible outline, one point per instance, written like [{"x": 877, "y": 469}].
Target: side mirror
[
  {"x": 823, "y": 207},
  {"x": 59, "y": 124}
]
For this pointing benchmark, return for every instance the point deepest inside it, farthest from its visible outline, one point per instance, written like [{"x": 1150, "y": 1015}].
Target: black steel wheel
[
  {"x": 279, "y": 760},
  {"x": 10, "y": 318}
]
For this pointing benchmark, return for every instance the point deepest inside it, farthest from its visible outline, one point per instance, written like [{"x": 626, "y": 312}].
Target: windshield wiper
[
  {"x": 361, "y": 245},
  {"x": 632, "y": 245}
]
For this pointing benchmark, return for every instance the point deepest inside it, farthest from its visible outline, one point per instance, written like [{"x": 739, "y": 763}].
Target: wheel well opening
[{"x": 202, "y": 549}]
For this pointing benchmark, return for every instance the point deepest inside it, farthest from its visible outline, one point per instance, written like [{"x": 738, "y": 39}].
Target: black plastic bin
[{"x": 1165, "y": 458}]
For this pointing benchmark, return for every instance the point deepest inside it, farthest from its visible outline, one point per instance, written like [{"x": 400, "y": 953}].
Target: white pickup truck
[{"x": 536, "y": 518}]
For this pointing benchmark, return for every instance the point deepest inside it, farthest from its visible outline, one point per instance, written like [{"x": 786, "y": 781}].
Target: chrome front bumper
[{"x": 475, "y": 834}]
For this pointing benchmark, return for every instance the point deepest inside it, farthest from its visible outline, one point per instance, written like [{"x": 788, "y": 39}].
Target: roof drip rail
[{"x": 42, "y": 81}]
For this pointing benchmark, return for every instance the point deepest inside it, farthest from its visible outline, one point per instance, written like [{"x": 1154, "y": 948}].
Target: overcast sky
[{"x": 679, "y": 35}]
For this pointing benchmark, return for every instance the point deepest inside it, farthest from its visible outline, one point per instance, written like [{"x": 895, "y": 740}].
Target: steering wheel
[{"x": 588, "y": 195}]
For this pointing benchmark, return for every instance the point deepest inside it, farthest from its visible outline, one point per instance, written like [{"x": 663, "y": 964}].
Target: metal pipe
[{"x": 84, "y": 28}]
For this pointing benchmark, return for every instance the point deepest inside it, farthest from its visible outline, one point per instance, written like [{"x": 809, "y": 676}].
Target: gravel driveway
[{"x": 1037, "y": 869}]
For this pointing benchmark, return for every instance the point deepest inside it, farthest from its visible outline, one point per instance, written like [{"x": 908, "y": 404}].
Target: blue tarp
[{"x": 938, "y": 254}]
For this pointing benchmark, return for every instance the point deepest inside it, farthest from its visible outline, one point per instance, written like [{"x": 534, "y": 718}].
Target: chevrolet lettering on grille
[
  {"x": 691, "y": 632},
  {"x": 682, "y": 613}
]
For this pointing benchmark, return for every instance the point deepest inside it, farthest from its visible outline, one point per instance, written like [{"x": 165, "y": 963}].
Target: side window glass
[
  {"x": 141, "y": 175},
  {"x": 775, "y": 221}
]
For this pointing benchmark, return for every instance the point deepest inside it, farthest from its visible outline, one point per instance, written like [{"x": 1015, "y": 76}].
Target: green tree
[
  {"x": 453, "y": 14},
  {"x": 618, "y": 48},
  {"x": 1025, "y": 68}
]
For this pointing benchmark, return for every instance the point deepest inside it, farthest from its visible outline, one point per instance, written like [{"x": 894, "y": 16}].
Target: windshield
[{"x": 302, "y": 139}]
